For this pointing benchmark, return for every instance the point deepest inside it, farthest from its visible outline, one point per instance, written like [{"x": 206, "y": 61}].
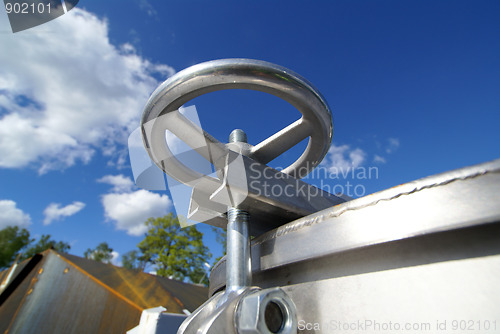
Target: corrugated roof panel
[
  {"x": 144, "y": 289},
  {"x": 60, "y": 293},
  {"x": 192, "y": 296},
  {"x": 62, "y": 299},
  {"x": 12, "y": 297}
]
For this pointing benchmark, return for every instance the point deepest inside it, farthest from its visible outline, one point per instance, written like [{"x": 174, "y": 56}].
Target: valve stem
[{"x": 238, "y": 259}]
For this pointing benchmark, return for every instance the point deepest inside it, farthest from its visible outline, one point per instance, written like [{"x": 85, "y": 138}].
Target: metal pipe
[{"x": 238, "y": 268}]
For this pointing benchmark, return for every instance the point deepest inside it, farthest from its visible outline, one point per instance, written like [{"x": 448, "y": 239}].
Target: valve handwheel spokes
[{"x": 161, "y": 113}]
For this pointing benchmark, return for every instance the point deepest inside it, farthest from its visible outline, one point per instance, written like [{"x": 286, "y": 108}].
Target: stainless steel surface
[
  {"x": 425, "y": 281},
  {"x": 421, "y": 257},
  {"x": 216, "y": 316},
  {"x": 202, "y": 320},
  {"x": 419, "y": 254},
  {"x": 153, "y": 134},
  {"x": 238, "y": 271},
  {"x": 161, "y": 113},
  {"x": 453, "y": 200},
  {"x": 443, "y": 297},
  {"x": 247, "y": 311},
  {"x": 254, "y": 191},
  {"x": 238, "y": 136},
  {"x": 243, "y": 179},
  {"x": 266, "y": 312}
]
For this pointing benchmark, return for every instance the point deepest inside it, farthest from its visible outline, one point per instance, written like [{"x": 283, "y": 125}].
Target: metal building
[{"x": 62, "y": 293}]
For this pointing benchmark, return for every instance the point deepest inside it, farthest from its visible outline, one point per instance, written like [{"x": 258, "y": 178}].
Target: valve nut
[{"x": 269, "y": 311}]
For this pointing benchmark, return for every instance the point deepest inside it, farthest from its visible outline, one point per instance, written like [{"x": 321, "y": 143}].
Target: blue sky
[{"x": 414, "y": 88}]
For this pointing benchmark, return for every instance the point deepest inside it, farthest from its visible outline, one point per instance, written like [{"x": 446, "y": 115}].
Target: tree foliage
[
  {"x": 45, "y": 243},
  {"x": 102, "y": 253},
  {"x": 14, "y": 241},
  {"x": 133, "y": 260},
  {"x": 174, "y": 251}
]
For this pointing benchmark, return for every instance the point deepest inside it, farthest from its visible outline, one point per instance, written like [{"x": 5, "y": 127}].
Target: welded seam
[
  {"x": 283, "y": 230},
  {"x": 415, "y": 190}
]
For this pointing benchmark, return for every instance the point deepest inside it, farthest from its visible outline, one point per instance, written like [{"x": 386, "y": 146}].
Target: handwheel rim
[{"x": 249, "y": 74}]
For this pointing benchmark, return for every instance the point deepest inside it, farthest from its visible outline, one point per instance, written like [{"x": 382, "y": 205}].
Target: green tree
[
  {"x": 133, "y": 260},
  {"x": 12, "y": 241},
  {"x": 174, "y": 251},
  {"x": 102, "y": 253},
  {"x": 45, "y": 243}
]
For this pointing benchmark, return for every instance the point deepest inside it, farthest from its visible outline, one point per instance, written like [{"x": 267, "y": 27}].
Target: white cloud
[
  {"x": 393, "y": 145},
  {"x": 115, "y": 259},
  {"x": 379, "y": 159},
  {"x": 128, "y": 210},
  {"x": 66, "y": 92},
  {"x": 55, "y": 212},
  {"x": 120, "y": 183},
  {"x": 344, "y": 158},
  {"x": 10, "y": 215}
]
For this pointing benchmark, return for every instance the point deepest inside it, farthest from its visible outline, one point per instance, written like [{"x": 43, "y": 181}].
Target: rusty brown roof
[{"x": 61, "y": 293}]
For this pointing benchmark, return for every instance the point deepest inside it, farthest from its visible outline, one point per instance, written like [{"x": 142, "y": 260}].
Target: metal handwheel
[{"x": 161, "y": 114}]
